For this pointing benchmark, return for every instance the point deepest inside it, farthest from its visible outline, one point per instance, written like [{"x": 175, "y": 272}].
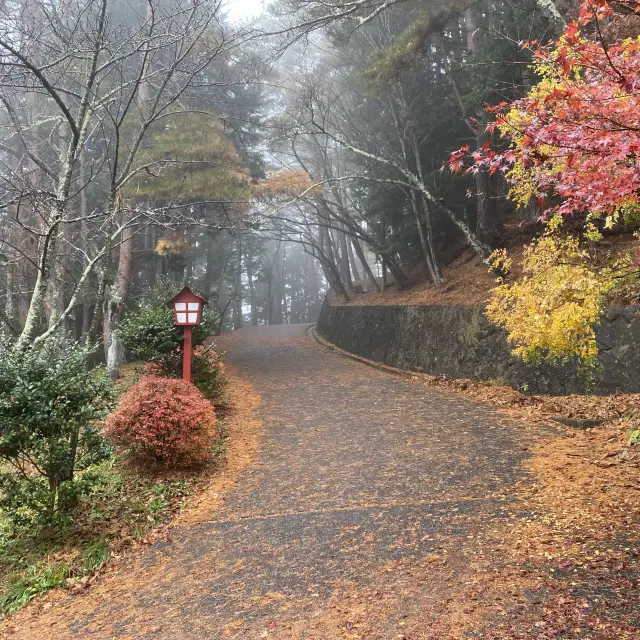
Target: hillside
[{"x": 468, "y": 280}]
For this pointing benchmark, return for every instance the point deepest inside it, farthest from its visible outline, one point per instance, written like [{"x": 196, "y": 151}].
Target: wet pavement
[{"x": 358, "y": 471}]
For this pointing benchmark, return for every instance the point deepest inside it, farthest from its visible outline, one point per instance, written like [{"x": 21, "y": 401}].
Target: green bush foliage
[
  {"x": 50, "y": 405},
  {"x": 149, "y": 332},
  {"x": 165, "y": 421},
  {"x": 208, "y": 374}
]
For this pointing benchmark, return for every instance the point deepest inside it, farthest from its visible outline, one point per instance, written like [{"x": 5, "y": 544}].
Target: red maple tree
[{"x": 574, "y": 141}]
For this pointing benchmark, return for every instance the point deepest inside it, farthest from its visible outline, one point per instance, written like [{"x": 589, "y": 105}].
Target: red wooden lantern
[
  {"x": 187, "y": 313},
  {"x": 187, "y": 308}
]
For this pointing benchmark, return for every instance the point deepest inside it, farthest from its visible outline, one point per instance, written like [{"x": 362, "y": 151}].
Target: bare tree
[{"x": 82, "y": 88}]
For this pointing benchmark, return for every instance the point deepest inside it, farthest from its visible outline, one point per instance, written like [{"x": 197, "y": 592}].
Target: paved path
[{"x": 362, "y": 479}]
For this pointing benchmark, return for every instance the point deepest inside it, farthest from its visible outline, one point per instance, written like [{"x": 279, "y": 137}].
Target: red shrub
[
  {"x": 165, "y": 420},
  {"x": 207, "y": 371}
]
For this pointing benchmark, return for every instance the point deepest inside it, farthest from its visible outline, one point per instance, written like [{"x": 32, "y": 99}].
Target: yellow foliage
[
  {"x": 286, "y": 183},
  {"x": 551, "y": 313},
  {"x": 501, "y": 262},
  {"x": 173, "y": 243},
  {"x": 630, "y": 211}
]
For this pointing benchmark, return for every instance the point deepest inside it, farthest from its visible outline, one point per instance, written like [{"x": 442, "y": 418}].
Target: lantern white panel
[
  {"x": 181, "y": 306},
  {"x": 182, "y": 318},
  {"x": 193, "y": 306},
  {"x": 193, "y": 318}
]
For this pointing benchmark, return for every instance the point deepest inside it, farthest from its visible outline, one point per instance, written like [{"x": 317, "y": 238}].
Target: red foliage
[
  {"x": 207, "y": 371},
  {"x": 578, "y": 135},
  {"x": 164, "y": 420}
]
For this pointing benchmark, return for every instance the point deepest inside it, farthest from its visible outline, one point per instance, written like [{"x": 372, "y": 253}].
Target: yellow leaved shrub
[{"x": 551, "y": 313}]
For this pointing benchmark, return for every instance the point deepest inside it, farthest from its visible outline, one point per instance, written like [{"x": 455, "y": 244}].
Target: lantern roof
[{"x": 186, "y": 295}]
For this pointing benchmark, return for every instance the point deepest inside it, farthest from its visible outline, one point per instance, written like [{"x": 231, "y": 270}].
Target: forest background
[{"x": 261, "y": 159}]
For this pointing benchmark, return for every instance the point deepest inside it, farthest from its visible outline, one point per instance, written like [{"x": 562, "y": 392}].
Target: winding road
[{"x": 357, "y": 519}]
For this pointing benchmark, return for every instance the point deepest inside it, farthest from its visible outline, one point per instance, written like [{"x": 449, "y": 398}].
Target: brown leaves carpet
[{"x": 378, "y": 507}]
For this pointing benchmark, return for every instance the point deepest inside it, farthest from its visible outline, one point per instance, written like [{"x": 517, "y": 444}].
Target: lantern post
[
  {"x": 187, "y": 313},
  {"x": 187, "y": 349}
]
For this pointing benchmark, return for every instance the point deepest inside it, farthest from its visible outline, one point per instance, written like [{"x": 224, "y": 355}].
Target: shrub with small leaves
[
  {"x": 150, "y": 333},
  {"x": 50, "y": 405},
  {"x": 163, "y": 420}
]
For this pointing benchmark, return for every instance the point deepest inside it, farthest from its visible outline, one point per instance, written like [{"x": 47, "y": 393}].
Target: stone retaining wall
[{"x": 459, "y": 342}]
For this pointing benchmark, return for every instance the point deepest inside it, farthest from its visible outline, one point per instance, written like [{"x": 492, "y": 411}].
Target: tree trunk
[
  {"x": 343, "y": 257},
  {"x": 423, "y": 219},
  {"x": 313, "y": 292},
  {"x": 84, "y": 235},
  {"x": 252, "y": 287},
  {"x": 56, "y": 287},
  {"x": 188, "y": 272},
  {"x": 471, "y": 28},
  {"x": 60, "y": 255},
  {"x": 208, "y": 271},
  {"x": 397, "y": 273},
  {"x": 125, "y": 268},
  {"x": 38, "y": 298},
  {"x": 489, "y": 226},
  {"x": 86, "y": 322},
  {"x": 365, "y": 265},
  {"x": 98, "y": 307},
  {"x": 426, "y": 250},
  {"x": 237, "y": 321},
  {"x": 277, "y": 315},
  {"x": 332, "y": 275},
  {"x": 283, "y": 287},
  {"x": 10, "y": 308},
  {"x": 323, "y": 252},
  {"x": 352, "y": 259},
  {"x": 161, "y": 267},
  {"x": 116, "y": 305},
  {"x": 269, "y": 301},
  {"x": 115, "y": 349},
  {"x": 426, "y": 241}
]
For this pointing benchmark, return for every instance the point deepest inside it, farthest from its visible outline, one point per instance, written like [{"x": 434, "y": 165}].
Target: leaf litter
[
  {"x": 566, "y": 564},
  {"x": 563, "y": 562}
]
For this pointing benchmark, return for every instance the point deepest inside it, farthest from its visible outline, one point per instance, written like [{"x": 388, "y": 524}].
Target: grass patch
[
  {"x": 95, "y": 555},
  {"x": 23, "y": 588}
]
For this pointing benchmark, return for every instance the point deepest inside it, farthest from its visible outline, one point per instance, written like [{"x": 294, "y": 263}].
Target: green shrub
[
  {"x": 149, "y": 331},
  {"x": 50, "y": 404},
  {"x": 208, "y": 374}
]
